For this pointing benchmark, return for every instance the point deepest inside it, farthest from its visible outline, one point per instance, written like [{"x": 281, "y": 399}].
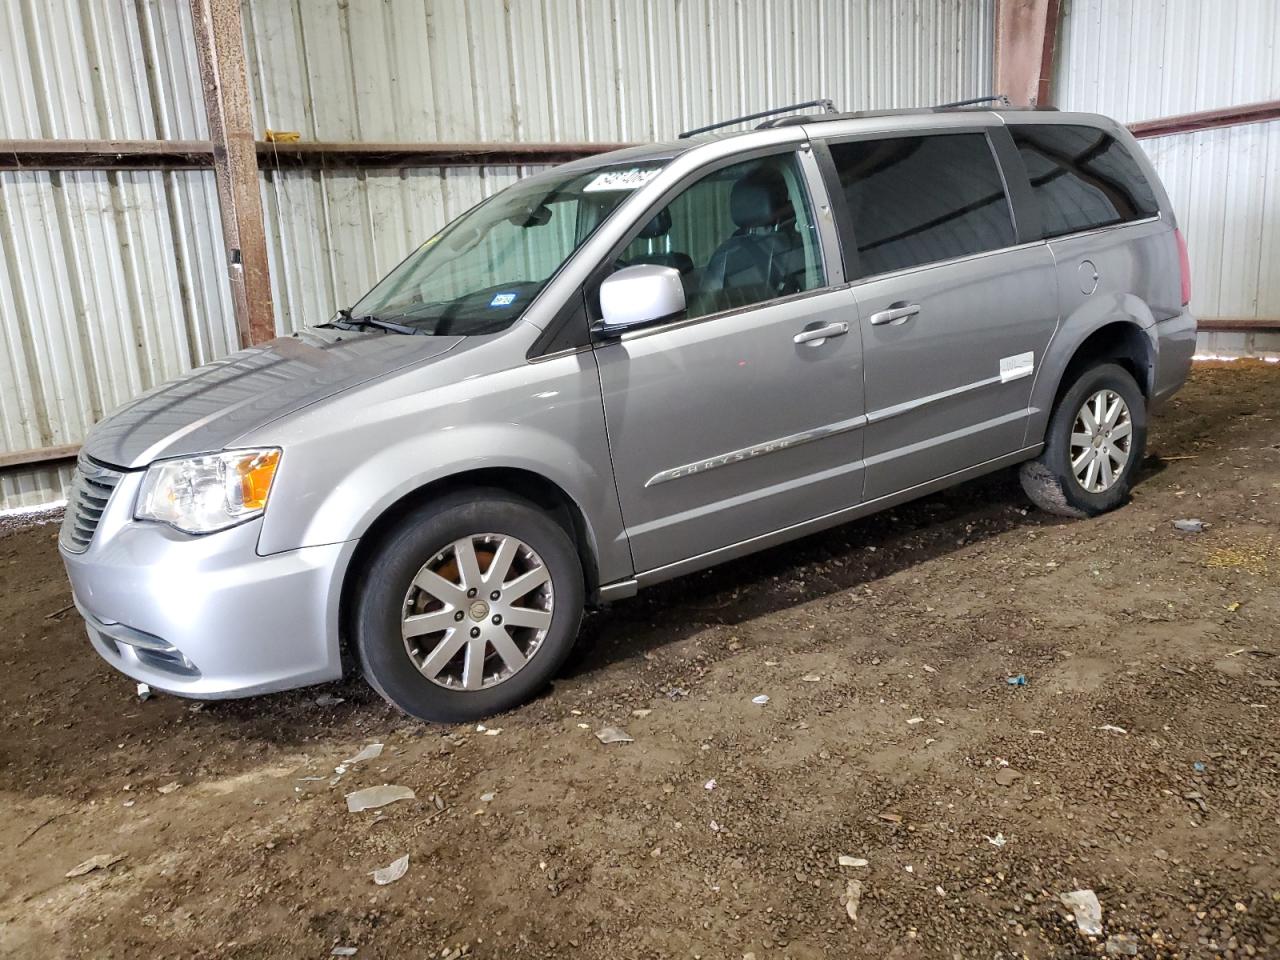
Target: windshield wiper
[{"x": 348, "y": 321}]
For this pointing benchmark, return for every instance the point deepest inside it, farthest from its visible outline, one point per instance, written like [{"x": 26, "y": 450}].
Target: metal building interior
[{"x": 180, "y": 179}]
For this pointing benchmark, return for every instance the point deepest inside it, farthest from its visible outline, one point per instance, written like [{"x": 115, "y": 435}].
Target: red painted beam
[
  {"x": 1208, "y": 119},
  {"x": 1026, "y": 35}
]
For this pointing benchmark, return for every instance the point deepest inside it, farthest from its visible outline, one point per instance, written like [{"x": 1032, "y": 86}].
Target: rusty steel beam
[
  {"x": 1239, "y": 324},
  {"x": 359, "y": 155},
  {"x": 38, "y": 455},
  {"x": 198, "y": 154},
  {"x": 1026, "y": 35},
  {"x": 105, "y": 154},
  {"x": 1208, "y": 119},
  {"x": 220, "y": 50}
]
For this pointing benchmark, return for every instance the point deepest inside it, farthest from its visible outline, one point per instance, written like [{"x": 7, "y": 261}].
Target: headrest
[
  {"x": 658, "y": 226},
  {"x": 754, "y": 203}
]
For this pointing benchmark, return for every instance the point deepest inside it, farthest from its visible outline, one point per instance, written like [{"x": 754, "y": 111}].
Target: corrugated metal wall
[
  {"x": 542, "y": 70},
  {"x": 110, "y": 282},
  {"x": 1143, "y": 59}
]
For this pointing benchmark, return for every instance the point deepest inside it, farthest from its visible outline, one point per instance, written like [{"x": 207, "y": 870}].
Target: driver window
[{"x": 742, "y": 235}]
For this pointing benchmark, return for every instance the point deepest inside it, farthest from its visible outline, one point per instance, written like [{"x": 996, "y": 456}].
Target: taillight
[{"x": 1184, "y": 263}]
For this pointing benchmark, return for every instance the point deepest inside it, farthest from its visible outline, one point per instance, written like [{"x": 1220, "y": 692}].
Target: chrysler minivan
[{"x": 627, "y": 368}]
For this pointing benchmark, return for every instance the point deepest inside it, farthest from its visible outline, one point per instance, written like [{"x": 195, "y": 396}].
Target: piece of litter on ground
[
  {"x": 710, "y": 784},
  {"x": 852, "y": 897},
  {"x": 772, "y": 663},
  {"x": 144, "y": 692},
  {"x": 997, "y": 841},
  {"x": 370, "y": 798},
  {"x": 493, "y": 731},
  {"x": 584, "y": 726},
  {"x": 940, "y": 891},
  {"x": 811, "y": 678},
  {"x": 1007, "y": 776},
  {"x": 169, "y": 787},
  {"x": 929, "y": 669},
  {"x": 1192, "y": 525},
  {"x": 99, "y": 862},
  {"x": 1087, "y": 910},
  {"x": 1198, "y": 766},
  {"x": 391, "y": 872},
  {"x": 1019, "y": 681},
  {"x": 760, "y": 700},
  {"x": 614, "y": 735},
  {"x": 1112, "y": 728},
  {"x": 343, "y": 952},
  {"x": 914, "y": 720},
  {"x": 371, "y": 752},
  {"x": 487, "y": 797},
  {"x": 328, "y": 700},
  {"x": 715, "y": 827},
  {"x": 890, "y": 817},
  {"x": 847, "y": 861},
  {"x": 1121, "y": 945},
  {"x": 641, "y": 713}
]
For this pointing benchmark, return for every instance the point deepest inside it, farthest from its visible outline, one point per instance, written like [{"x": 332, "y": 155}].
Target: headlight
[{"x": 204, "y": 494}]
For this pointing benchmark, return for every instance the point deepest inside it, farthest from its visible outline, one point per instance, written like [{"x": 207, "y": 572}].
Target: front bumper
[{"x": 207, "y": 616}]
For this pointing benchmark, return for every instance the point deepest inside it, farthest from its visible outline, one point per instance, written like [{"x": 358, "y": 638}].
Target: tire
[
  {"x": 1052, "y": 483},
  {"x": 418, "y": 571}
]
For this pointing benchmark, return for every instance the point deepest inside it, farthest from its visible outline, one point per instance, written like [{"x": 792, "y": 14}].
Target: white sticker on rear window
[{"x": 620, "y": 180}]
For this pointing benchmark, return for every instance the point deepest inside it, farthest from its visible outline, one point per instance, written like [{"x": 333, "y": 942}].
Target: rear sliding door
[{"x": 955, "y": 311}]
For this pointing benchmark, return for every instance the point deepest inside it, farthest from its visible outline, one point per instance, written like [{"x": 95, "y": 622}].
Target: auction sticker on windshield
[{"x": 620, "y": 180}]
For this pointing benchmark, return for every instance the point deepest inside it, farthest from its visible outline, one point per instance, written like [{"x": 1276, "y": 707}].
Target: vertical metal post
[
  {"x": 220, "y": 50},
  {"x": 1026, "y": 34}
]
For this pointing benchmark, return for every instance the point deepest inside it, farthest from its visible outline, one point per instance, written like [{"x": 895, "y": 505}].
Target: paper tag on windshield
[{"x": 620, "y": 180}]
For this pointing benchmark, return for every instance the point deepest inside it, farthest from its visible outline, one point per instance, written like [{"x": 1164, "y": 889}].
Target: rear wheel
[
  {"x": 469, "y": 607},
  {"x": 1096, "y": 438}
]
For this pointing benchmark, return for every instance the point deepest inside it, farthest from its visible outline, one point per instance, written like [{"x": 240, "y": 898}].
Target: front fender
[{"x": 347, "y": 460}]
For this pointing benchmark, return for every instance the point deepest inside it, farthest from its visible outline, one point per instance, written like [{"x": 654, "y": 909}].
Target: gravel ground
[{"x": 1138, "y": 761}]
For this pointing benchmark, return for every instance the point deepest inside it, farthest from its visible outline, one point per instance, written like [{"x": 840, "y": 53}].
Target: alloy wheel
[
  {"x": 476, "y": 613},
  {"x": 1101, "y": 441}
]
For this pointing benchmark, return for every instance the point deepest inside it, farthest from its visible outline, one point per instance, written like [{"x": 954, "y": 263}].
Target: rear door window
[
  {"x": 1082, "y": 178},
  {"x": 918, "y": 200}
]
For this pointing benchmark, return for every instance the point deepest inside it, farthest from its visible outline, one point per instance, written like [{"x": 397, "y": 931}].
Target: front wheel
[
  {"x": 469, "y": 607},
  {"x": 1096, "y": 438}
]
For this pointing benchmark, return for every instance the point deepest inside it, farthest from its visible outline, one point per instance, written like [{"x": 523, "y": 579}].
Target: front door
[
  {"x": 743, "y": 416},
  {"x": 955, "y": 314}
]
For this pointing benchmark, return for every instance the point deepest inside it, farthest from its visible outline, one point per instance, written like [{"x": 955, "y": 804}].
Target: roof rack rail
[
  {"x": 973, "y": 101},
  {"x": 826, "y": 105},
  {"x": 1001, "y": 99}
]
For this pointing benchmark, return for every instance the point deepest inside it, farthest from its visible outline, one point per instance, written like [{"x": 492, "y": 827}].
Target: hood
[{"x": 213, "y": 405}]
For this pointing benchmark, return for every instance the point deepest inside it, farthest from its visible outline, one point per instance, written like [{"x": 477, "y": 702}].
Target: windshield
[{"x": 480, "y": 273}]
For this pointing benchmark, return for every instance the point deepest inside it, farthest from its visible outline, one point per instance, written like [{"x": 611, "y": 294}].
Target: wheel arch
[
  {"x": 1120, "y": 338},
  {"x": 525, "y": 484},
  {"x": 1120, "y": 341}
]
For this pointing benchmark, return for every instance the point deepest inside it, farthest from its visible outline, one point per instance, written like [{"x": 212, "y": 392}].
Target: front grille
[{"x": 91, "y": 487}]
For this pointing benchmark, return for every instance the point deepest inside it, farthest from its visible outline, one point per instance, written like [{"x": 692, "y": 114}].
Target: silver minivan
[{"x": 625, "y": 369}]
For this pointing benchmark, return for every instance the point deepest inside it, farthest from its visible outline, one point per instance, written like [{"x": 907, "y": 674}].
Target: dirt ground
[{"x": 1139, "y": 760}]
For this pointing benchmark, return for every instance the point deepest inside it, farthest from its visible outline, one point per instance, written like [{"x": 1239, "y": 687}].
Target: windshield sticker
[
  {"x": 631, "y": 179},
  {"x": 502, "y": 300}
]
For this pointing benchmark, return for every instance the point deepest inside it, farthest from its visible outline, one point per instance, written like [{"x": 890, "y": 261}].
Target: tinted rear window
[
  {"x": 1082, "y": 178},
  {"x": 916, "y": 200}
]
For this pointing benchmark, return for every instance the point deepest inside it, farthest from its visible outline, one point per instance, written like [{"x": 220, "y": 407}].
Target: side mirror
[{"x": 638, "y": 295}]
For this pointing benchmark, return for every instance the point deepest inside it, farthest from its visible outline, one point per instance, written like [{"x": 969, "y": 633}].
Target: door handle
[
  {"x": 895, "y": 314},
  {"x": 818, "y": 334}
]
